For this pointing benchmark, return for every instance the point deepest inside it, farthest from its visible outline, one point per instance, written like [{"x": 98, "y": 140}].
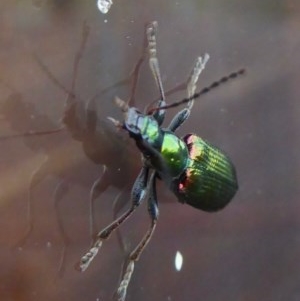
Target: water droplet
[
  {"x": 104, "y": 5},
  {"x": 178, "y": 261}
]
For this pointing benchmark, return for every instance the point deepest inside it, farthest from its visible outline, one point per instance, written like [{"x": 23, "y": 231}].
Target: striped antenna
[{"x": 205, "y": 90}]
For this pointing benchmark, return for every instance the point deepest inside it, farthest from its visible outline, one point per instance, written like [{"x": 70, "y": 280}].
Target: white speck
[
  {"x": 178, "y": 261},
  {"x": 49, "y": 245},
  {"x": 105, "y": 21},
  {"x": 104, "y": 5}
]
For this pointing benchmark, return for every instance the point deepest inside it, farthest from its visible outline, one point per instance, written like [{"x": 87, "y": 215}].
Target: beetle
[{"x": 197, "y": 172}]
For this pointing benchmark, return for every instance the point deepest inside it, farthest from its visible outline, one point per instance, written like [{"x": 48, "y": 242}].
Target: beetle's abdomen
[{"x": 209, "y": 181}]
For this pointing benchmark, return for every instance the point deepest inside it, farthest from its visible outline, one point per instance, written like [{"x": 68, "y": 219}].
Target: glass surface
[{"x": 248, "y": 251}]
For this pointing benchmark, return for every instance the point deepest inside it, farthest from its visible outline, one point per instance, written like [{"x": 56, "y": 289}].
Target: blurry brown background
[{"x": 249, "y": 251}]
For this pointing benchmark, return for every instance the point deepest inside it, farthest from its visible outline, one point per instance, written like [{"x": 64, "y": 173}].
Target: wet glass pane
[{"x": 62, "y": 63}]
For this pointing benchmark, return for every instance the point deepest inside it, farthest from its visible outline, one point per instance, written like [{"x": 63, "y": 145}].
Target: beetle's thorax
[
  {"x": 143, "y": 127},
  {"x": 162, "y": 149}
]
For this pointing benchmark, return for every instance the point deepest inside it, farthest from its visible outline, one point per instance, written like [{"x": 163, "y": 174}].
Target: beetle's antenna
[{"x": 205, "y": 90}]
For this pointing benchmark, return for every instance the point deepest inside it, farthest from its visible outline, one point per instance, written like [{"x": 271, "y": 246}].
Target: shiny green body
[
  {"x": 197, "y": 172},
  {"x": 209, "y": 181}
]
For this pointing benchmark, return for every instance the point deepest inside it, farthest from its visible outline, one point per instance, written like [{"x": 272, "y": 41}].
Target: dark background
[{"x": 249, "y": 251}]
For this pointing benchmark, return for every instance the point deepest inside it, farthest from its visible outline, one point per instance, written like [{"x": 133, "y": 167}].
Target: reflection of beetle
[
  {"x": 100, "y": 140},
  {"x": 198, "y": 173}
]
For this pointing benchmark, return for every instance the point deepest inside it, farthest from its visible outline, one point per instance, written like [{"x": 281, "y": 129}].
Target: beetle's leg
[
  {"x": 136, "y": 70},
  {"x": 135, "y": 255},
  {"x": 37, "y": 176},
  {"x": 137, "y": 195},
  {"x": 183, "y": 115},
  {"x": 151, "y": 31},
  {"x": 194, "y": 76},
  {"x": 99, "y": 186},
  {"x": 179, "y": 119},
  {"x": 60, "y": 191}
]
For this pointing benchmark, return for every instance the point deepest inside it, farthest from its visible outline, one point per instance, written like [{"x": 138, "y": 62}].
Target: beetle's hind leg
[{"x": 135, "y": 255}]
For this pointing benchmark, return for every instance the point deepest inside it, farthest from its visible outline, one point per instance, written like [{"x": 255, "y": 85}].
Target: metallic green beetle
[{"x": 198, "y": 173}]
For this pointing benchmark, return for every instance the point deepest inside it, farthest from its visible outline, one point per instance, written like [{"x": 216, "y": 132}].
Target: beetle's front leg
[
  {"x": 184, "y": 114},
  {"x": 151, "y": 31}
]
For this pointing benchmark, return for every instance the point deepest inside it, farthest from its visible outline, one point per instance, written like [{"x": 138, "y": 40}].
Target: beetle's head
[{"x": 135, "y": 122}]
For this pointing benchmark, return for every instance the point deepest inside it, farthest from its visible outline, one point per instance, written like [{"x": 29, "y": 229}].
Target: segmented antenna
[{"x": 205, "y": 90}]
